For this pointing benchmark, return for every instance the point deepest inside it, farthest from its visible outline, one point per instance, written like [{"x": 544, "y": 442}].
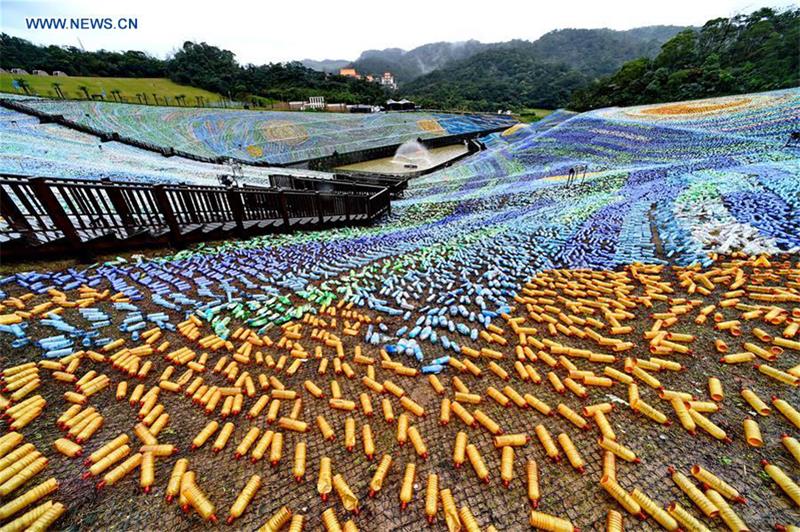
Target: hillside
[
  {"x": 272, "y": 137},
  {"x": 128, "y": 89},
  {"x": 609, "y": 49},
  {"x": 19, "y": 53},
  {"x": 745, "y": 53},
  {"x": 408, "y": 65},
  {"x": 194, "y": 64},
  {"x": 217, "y": 71},
  {"x": 543, "y": 73},
  {"x": 600, "y": 51},
  {"x": 325, "y": 65},
  {"x": 503, "y": 77}
]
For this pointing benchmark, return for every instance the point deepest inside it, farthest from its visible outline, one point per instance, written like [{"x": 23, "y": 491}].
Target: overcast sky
[{"x": 262, "y": 31}]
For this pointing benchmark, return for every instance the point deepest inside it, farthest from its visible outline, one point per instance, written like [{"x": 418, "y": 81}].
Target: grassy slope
[
  {"x": 532, "y": 115},
  {"x": 129, "y": 87}
]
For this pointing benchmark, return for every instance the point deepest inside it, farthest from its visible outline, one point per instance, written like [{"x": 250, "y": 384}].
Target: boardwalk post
[
  {"x": 169, "y": 215},
  {"x": 237, "y": 210},
  {"x": 284, "y": 210},
  {"x": 192, "y": 206},
  {"x": 10, "y": 211},
  {"x": 118, "y": 201},
  {"x": 58, "y": 216},
  {"x": 318, "y": 201},
  {"x": 347, "y": 207}
]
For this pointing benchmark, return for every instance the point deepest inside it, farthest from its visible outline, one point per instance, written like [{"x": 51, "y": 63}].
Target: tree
[
  {"x": 19, "y": 53},
  {"x": 57, "y": 89},
  {"x": 746, "y": 53},
  {"x": 22, "y": 84},
  {"x": 504, "y": 77},
  {"x": 204, "y": 66},
  {"x": 195, "y": 64}
]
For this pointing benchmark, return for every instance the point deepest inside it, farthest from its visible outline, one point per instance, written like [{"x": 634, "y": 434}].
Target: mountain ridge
[
  {"x": 407, "y": 65},
  {"x": 325, "y": 65}
]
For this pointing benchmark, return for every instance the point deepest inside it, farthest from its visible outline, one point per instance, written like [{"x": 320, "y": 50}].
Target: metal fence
[{"x": 51, "y": 216}]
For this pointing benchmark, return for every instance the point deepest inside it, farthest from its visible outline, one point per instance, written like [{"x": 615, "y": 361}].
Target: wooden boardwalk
[{"x": 46, "y": 217}]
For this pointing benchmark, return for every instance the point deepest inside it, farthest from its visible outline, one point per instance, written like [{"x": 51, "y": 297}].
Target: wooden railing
[
  {"x": 339, "y": 183},
  {"x": 52, "y": 216}
]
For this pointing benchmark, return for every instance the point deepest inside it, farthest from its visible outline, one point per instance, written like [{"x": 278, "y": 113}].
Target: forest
[
  {"x": 746, "y": 53},
  {"x": 195, "y": 64}
]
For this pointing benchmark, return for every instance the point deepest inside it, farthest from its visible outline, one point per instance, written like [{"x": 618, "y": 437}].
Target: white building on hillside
[{"x": 388, "y": 80}]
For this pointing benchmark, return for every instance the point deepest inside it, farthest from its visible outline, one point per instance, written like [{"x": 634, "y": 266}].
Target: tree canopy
[
  {"x": 507, "y": 77},
  {"x": 746, "y": 53},
  {"x": 521, "y": 74},
  {"x": 19, "y": 53},
  {"x": 196, "y": 64}
]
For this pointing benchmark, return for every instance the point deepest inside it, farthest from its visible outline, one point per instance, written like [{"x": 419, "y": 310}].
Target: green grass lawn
[
  {"x": 128, "y": 88},
  {"x": 532, "y": 115}
]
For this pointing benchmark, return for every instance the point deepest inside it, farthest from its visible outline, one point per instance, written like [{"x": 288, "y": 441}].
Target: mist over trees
[{"x": 522, "y": 74}]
